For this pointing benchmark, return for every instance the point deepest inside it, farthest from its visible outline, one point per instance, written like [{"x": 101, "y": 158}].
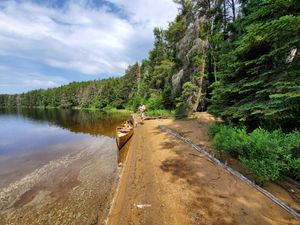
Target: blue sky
[{"x": 48, "y": 43}]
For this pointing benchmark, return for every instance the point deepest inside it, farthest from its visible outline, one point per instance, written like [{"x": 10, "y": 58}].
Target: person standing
[{"x": 142, "y": 109}]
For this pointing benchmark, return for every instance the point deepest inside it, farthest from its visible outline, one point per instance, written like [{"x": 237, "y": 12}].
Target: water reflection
[
  {"x": 78, "y": 121},
  {"x": 30, "y": 138}
]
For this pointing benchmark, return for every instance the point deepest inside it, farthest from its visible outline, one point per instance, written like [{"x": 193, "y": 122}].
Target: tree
[{"x": 259, "y": 86}]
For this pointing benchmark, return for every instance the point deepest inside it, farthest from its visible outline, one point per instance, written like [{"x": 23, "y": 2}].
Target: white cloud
[
  {"x": 37, "y": 80},
  {"x": 150, "y": 13},
  {"x": 81, "y": 38},
  {"x": 10, "y": 80}
]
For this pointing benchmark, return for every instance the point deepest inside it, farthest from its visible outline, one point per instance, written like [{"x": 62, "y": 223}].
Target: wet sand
[
  {"x": 74, "y": 188},
  {"x": 165, "y": 181}
]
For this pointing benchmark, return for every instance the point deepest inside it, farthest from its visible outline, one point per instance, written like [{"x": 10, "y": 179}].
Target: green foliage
[
  {"x": 214, "y": 129},
  {"x": 161, "y": 74},
  {"x": 202, "y": 34},
  {"x": 134, "y": 103},
  {"x": 258, "y": 85},
  {"x": 155, "y": 102},
  {"x": 198, "y": 60},
  {"x": 267, "y": 155},
  {"x": 295, "y": 168},
  {"x": 293, "y": 143},
  {"x": 231, "y": 140},
  {"x": 263, "y": 169},
  {"x": 167, "y": 98},
  {"x": 183, "y": 106},
  {"x": 175, "y": 30}
]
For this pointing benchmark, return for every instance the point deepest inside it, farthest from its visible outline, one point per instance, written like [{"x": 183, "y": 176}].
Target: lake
[{"x": 57, "y": 166}]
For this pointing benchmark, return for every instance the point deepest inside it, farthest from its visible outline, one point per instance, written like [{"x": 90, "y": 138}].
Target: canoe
[{"x": 123, "y": 134}]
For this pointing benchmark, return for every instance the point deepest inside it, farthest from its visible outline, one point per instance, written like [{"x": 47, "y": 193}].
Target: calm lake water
[{"x": 56, "y": 166}]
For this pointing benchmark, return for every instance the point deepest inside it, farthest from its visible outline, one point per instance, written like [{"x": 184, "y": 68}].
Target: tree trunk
[
  {"x": 225, "y": 19},
  {"x": 215, "y": 69},
  {"x": 138, "y": 75},
  {"x": 233, "y": 10},
  {"x": 199, "y": 94}
]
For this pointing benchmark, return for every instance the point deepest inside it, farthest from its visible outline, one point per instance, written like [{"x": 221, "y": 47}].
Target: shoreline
[
  {"x": 125, "y": 155},
  {"x": 117, "y": 189},
  {"x": 151, "y": 177}
]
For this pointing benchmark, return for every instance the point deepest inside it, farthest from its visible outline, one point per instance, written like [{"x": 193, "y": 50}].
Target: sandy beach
[{"x": 165, "y": 181}]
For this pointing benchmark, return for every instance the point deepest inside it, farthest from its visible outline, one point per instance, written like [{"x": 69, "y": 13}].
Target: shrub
[
  {"x": 155, "y": 102},
  {"x": 264, "y": 144},
  {"x": 267, "y": 155},
  {"x": 160, "y": 112},
  {"x": 214, "y": 129},
  {"x": 184, "y": 102},
  {"x": 295, "y": 168},
  {"x": 134, "y": 103},
  {"x": 167, "y": 98},
  {"x": 262, "y": 169},
  {"x": 293, "y": 143},
  {"x": 231, "y": 140}
]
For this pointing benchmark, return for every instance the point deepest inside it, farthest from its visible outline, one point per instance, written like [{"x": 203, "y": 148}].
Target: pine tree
[{"x": 261, "y": 82}]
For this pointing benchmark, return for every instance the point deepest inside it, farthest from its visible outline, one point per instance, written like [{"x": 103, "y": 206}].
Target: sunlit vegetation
[{"x": 267, "y": 155}]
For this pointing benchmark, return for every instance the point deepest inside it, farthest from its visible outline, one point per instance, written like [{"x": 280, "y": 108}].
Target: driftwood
[
  {"x": 155, "y": 117},
  {"x": 290, "y": 180},
  {"x": 233, "y": 172}
]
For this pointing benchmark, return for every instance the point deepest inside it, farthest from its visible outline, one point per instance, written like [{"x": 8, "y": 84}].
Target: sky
[{"x": 49, "y": 43}]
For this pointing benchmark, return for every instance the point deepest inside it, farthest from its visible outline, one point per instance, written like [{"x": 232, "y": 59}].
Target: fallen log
[{"x": 155, "y": 117}]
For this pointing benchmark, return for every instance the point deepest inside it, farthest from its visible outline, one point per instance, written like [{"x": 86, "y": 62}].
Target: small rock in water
[{"x": 142, "y": 206}]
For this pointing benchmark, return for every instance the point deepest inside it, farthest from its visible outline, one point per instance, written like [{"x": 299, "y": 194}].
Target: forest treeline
[{"x": 238, "y": 59}]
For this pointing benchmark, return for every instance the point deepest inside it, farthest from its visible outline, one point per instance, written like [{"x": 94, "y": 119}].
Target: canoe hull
[{"x": 123, "y": 138}]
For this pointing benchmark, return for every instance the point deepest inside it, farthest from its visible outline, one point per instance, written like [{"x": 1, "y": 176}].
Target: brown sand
[{"x": 165, "y": 181}]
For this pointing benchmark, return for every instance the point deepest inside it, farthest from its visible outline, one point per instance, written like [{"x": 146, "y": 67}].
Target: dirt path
[{"x": 164, "y": 181}]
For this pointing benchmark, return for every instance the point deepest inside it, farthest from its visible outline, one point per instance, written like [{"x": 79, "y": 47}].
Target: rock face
[{"x": 192, "y": 53}]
